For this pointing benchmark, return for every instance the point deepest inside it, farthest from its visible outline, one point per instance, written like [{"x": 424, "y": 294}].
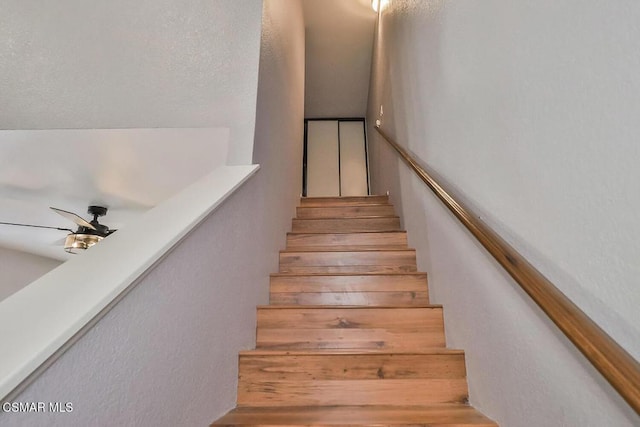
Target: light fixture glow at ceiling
[
  {"x": 377, "y": 5},
  {"x": 80, "y": 241}
]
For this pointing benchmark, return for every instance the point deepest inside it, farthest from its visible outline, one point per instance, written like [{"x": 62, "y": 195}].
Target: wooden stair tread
[
  {"x": 379, "y": 200},
  {"x": 349, "y": 337},
  {"x": 393, "y": 273},
  {"x": 346, "y": 256},
  {"x": 348, "y": 249},
  {"x": 341, "y": 201},
  {"x": 339, "y": 232},
  {"x": 348, "y": 224},
  {"x": 436, "y": 415},
  {"x": 347, "y": 198},
  {"x": 348, "y": 232},
  {"x": 383, "y": 232},
  {"x": 344, "y": 210},
  {"x": 342, "y": 218},
  {"x": 349, "y": 351},
  {"x": 348, "y": 307}
]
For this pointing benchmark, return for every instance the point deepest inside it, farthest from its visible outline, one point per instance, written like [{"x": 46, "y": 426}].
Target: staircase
[{"x": 350, "y": 338}]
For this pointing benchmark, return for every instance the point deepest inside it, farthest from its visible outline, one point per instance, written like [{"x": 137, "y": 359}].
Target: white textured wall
[
  {"x": 20, "y": 268},
  {"x": 529, "y": 109},
  {"x": 167, "y": 354},
  {"x": 339, "y": 34},
  {"x": 122, "y": 64}
]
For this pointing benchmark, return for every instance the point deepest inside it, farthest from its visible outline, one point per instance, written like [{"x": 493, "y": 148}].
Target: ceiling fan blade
[
  {"x": 73, "y": 217},
  {"x": 35, "y": 226}
]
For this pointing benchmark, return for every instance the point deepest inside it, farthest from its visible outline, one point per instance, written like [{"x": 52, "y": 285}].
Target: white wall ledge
[{"x": 39, "y": 322}]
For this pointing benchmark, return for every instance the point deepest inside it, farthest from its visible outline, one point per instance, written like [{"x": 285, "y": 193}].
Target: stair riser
[
  {"x": 346, "y": 259},
  {"x": 343, "y": 201},
  {"x": 347, "y": 225},
  {"x": 350, "y": 283},
  {"x": 350, "y": 328},
  {"x": 369, "y": 290},
  {"x": 349, "y": 317},
  {"x": 344, "y": 211},
  {"x": 347, "y": 367},
  {"x": 381, "y": 240},
  {"x": 356, "y": 392},
  {"x": 349, "y": 269},
  {"x": 371, "y": 299},
  {"x": 362, "y": 339},
  {"x": 363, "y": 379},
  {"x": 348, "y": 262}
]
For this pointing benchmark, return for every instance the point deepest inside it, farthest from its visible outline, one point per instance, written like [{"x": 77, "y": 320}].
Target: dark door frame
[{"x": 333, "y": 119}]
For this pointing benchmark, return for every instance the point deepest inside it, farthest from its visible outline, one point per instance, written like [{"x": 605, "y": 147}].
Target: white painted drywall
[
  {"x": 121, "y": 64},
  {"x": 75, "y": 293},
  {"x": 167, "y": 353},
  {"x": 529, "y": 109},
  {"x": 339, "y": 34},
  {"x": 18, "y": 269}
]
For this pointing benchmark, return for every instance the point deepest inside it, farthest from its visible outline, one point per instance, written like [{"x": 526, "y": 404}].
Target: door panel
[
  {"x": 353, "y": 159},
  {"x": 323, "y": 175},
  {"x": 335, "y": 158}
]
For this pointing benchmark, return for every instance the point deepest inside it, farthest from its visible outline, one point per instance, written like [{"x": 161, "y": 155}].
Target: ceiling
[
  {"x": 339, "y": 42},
  {"x": 132, "y": 170},
  {"x": 127, "y": 170}
]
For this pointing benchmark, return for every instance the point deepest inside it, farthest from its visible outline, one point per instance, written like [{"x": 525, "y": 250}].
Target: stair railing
[{"x": 617, "y": 366}]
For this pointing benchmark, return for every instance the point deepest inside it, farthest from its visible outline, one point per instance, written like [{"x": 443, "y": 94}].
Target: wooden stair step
[
  {"x": 281, "y": 378},
  {"x": 435, "y": 415},
  {"x": 344, "y": 211},
  {"x": 298, "y": 327},
  {"x": 339, "y": 298},
  {"x": 345, "y": 261},
  {"x": 346, "y": 225},
  {"x": 350, "y": 365},
  {"x": 345, "y": 248},
  {"x": 367, "y": 282},
  {"x": 352, "y": 392},
  {"x": 381, "y": 239},
  {"x": 346, "y": 257},
  {"x": 351, "y": 351},
  {"x": 349, "y": 338},
  {"x": 356, "y": 289},
  {"x": 341, "y": 201}
]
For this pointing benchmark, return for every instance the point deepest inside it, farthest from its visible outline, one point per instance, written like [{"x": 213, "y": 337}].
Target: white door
[
  {"x": 353, "y": 159},
  {"x": 336, "y": 158},
  {"x": 323, "y": 173}
]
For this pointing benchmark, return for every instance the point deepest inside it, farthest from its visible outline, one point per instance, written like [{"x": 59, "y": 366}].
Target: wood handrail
[{"x": 617, "y": 366}]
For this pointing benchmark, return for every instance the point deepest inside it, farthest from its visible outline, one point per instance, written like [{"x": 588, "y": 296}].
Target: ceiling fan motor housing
[
  {"x": 97, "y": 211},
  {"x": 101, "y": 230}
]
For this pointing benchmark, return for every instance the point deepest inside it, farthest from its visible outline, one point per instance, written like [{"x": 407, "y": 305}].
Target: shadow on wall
[{"x": 21, "y": 268}]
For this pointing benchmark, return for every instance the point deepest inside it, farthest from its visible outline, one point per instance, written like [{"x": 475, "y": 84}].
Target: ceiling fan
[{"x": 88, "y": 233}]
